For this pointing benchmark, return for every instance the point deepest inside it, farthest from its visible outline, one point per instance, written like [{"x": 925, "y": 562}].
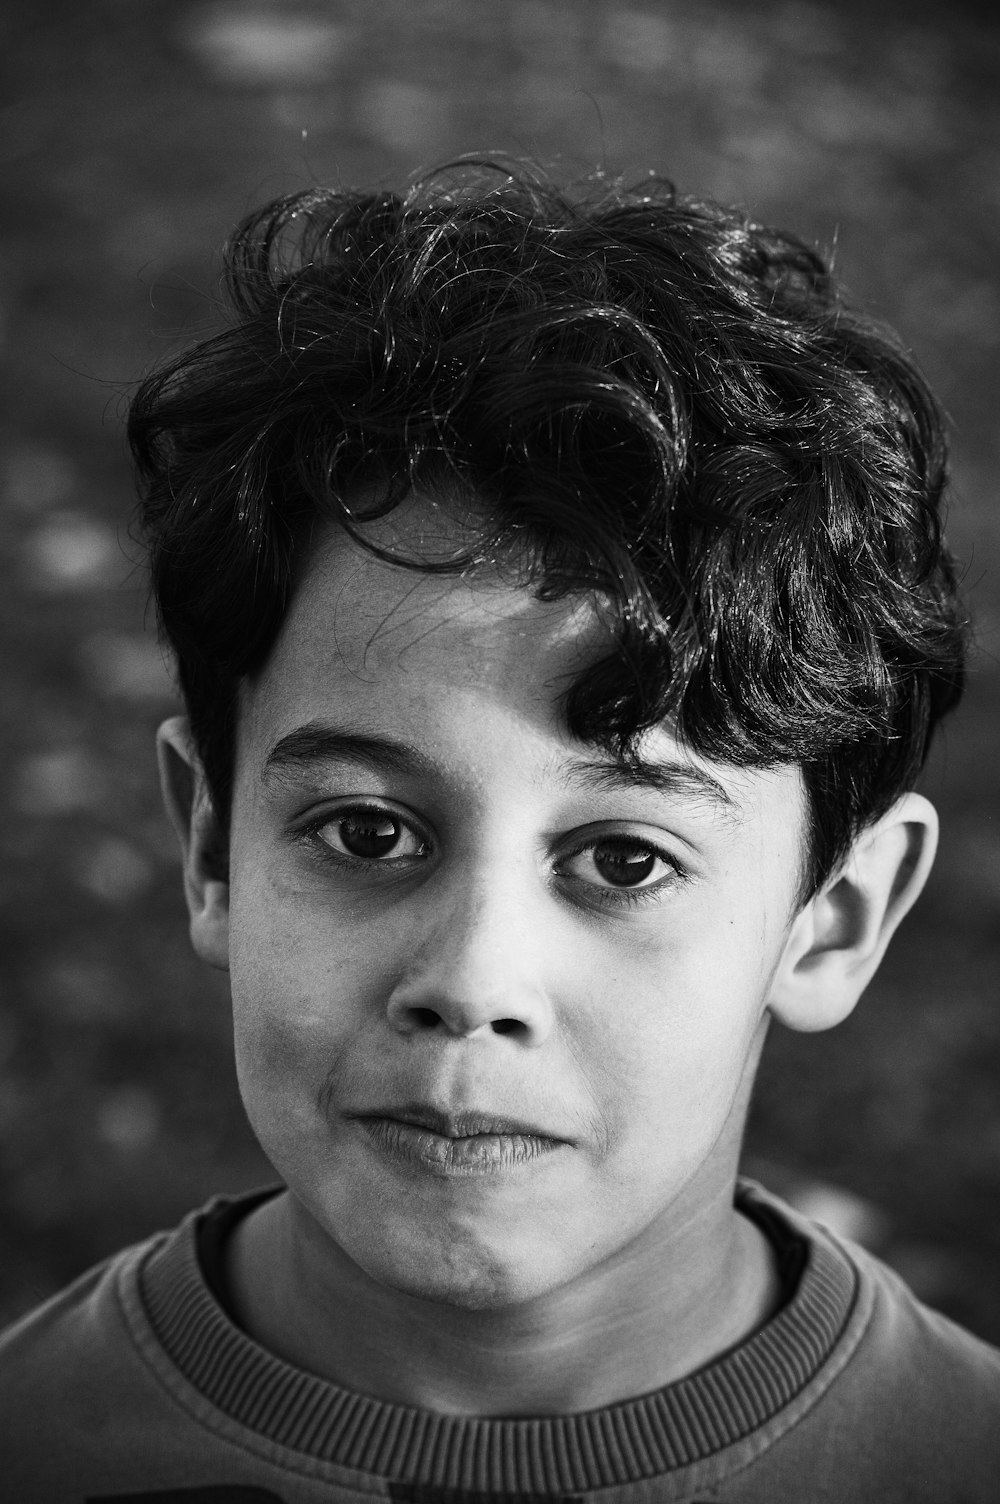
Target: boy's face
[{"x": 497, "y": 1004}]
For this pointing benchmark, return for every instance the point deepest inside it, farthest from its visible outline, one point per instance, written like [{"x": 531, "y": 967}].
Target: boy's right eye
[{"x": 369, "y": 834}]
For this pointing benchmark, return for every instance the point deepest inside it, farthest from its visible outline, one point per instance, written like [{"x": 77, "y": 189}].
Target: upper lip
[{"x": 455, "y": 1124}]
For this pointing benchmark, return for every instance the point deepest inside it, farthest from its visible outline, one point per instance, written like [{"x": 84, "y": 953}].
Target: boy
[{"x": 559, "y": 603}]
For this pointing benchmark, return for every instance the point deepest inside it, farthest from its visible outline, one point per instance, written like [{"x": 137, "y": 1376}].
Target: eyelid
[
  {"x": 334, "y": 805},
  {"x": 624, "y": 831}
]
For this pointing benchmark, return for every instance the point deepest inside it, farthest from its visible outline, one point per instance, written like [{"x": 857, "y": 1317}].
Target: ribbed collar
[{"x": 637, "y": 1439}]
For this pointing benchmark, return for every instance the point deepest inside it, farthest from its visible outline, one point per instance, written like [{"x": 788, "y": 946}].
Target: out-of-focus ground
[{"x": 131, "y": 136}]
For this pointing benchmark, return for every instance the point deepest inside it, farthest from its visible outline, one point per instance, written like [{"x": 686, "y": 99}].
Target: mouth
[{"x": 462, "y": 1143}]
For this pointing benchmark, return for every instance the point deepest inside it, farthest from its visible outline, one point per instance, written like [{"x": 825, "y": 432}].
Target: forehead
[
  {"x": 450, "y": 666},
  {"x": 466, "y": 674},
  {"x": 358, "y": 615}
]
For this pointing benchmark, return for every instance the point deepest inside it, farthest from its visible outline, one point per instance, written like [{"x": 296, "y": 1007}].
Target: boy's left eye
[{"x": 618, "y": 862}]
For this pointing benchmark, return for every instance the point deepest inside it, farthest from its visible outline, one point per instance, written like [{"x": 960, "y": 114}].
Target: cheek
[
  {"x": 294, "y": 995},
  {"x": 283, "y": 1051},
  {"x": 293, "y": 952},
  {"x": 668, "y": 1041}
]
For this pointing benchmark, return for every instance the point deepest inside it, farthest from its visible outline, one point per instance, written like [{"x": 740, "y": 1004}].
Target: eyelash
[{"x": 609, "y": 897}]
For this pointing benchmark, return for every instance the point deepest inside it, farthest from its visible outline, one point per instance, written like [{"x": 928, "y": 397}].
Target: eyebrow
[
  {"x": 678, "y": 779},
  {"x": 317, "y": 743}
]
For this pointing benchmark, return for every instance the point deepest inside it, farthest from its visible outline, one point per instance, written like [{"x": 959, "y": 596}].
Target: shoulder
[
  {"x": 906, "y": 1405},
  {"x": 890, "y": 1329},
  {"x": 84, "y": 1387},
  {"x": 936, "y": 1365},
  {"x": 65, "y": 1370},
  {"x": 82, "y": 1323},
  {"x": 918, "y": 1405}
]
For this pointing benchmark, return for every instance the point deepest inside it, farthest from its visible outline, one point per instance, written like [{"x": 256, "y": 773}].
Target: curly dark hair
[{"x": 649, "y": 397}]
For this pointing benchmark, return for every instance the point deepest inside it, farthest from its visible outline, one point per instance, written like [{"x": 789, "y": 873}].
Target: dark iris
[
  {"x": 368, "y": 833},
  {"x": 624, "y": 864}
]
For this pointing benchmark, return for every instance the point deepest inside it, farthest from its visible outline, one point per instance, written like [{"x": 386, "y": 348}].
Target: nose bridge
[{"x": 476, "y": 967}]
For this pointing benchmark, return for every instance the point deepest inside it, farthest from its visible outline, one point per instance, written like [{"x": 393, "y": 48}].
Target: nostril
[
  {"x": 506, "y": 1025},
  {"x": 412, "y": 1018},
  {"x": 425, "y": 1018}
]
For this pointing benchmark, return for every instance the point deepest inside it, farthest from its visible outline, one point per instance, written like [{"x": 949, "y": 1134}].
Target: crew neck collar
[{"x": 683, "y": 1423}]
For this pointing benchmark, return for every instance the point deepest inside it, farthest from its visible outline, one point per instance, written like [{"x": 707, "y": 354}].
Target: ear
[
  {"x": 203, "y": 844},
  {"x": 839, "y": 937}
]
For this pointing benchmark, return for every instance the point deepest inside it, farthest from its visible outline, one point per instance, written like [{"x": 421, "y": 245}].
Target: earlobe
[
  {"x": 839, "y": 937},
  {"x": 203, "y": 844}
]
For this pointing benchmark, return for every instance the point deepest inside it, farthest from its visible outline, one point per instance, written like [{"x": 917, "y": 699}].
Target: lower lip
[{"x": 478, "y": 1154}]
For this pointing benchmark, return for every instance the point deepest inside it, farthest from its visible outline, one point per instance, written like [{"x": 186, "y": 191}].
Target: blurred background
[{"x": 133, "y": 133}]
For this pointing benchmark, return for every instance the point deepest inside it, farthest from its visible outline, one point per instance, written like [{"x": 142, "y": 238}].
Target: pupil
[
  {"x": 369, "y": 834},
  {"x": 623, "y": 865}
]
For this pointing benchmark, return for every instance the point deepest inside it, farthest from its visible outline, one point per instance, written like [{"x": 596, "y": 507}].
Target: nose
[{"x": 478, "y": 969}]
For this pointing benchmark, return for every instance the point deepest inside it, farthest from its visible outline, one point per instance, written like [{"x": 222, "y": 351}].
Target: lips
[
  {"x": 458, "y": 1124},
  {"x": 455, "y": 1143}
]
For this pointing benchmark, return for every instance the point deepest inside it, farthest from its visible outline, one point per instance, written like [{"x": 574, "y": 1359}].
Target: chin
[
  {"x": 476, "y": 1293},
  {"x": 468, "y": 1279}
]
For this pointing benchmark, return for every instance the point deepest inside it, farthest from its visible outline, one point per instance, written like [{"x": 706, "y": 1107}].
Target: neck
[{"x": 680, "y": 1295}]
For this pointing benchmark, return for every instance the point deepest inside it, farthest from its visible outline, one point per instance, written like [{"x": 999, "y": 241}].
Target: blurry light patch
[
  {"x": 844, "y": 1213},
  {"x": 953, "y": 307},
  {"x": 13, "y": 1106},
  {"x": 36, "y": 478},
  {"x": 71, "y": 551},
  {"x": 728, "y": 58},
  {"x": 641, "y": 41},
  {"x": 403, "y": 116},
  {"x": 933, "y": 1273},
  {"x": 146, "y": 236},
  {"x": 25, "y": 126},
  {"x": 264, "y": 44},
  {"x": 295, "y": 110},
  {"x": 971, "y": 849},
  {"x": 780, "y": 158},
  {"x": 9, "y": 1038},
  {"x": 923, "y": 59},
  {"x": 59, "y": 783},
  {"x": 807, "y": 29},
  {"x": 115, "y": 871},
  {"x": 539, "y": 24},
  {"x": 81, "y": 991},
  {"x": 127, "y": 664},
  {"x": 128, "y": 1119},
  {"x": 544, "y": 100},
  {"x": 840, "y": 113}
]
